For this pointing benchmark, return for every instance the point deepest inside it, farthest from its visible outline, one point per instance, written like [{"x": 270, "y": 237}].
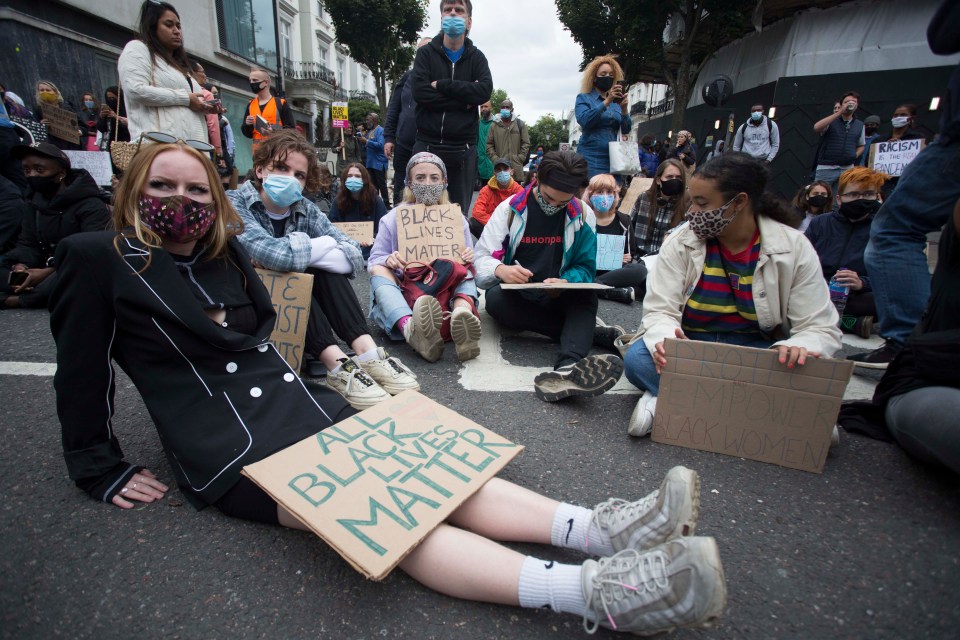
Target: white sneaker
[
  {"x": 465, "y": 331},
  {"x": 669, "y": 512},
  {"x": 641, "y": 420},
  {"x": 678, "y": 584},
  {"x": 422, "y": 331},
  {"x": 353, "y": 383},
  {"x": 388, "y": 372}
]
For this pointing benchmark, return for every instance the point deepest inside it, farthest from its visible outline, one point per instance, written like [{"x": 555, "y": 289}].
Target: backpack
[{"x": 769, "y": 128}]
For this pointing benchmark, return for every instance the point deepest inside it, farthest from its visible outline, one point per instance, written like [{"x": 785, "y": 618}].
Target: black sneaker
[
  {"x": 588, "y": 377},
  {"x": 878, "y": 358},
  {"x": 606, "y": 336},
  {"x": 618, "y": 294}
]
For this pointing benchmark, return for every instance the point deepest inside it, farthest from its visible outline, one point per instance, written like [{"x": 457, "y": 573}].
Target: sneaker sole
[
  {"x": 465, "y": 331},
  {"x": 592, "y": 377},
  {"x": 690, "y": 511},
  {"x": 871, "y": 365},
  {"x": 427, "y": 318},
  {"x": 361, "y": 403}
]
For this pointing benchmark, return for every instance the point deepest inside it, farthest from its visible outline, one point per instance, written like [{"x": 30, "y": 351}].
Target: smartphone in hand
[{"x": 17, "y": 278}]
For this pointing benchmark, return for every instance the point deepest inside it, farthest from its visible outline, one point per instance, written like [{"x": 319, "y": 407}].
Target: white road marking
[{"x": 27, "y": 368}]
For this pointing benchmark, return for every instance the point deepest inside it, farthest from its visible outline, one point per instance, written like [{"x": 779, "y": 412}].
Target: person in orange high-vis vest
[{"x": 274, "y": 110}]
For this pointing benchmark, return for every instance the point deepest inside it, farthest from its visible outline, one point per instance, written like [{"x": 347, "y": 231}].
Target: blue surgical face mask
[
  {"x": 353, "y": 183},
  {"x": 601, "y": 202},
  {"x": 283, "y": 190},
  {"x": 503, "y": 177},
  {"x": 505, "y": 113},
  {"x": 89, "y": 104},
  {"x": 453, "y": 26},
  {"x": 757, "y": 115}
]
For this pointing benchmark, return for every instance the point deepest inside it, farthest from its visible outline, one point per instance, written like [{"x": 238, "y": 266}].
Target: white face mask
[{"x": 899, "y": 121}]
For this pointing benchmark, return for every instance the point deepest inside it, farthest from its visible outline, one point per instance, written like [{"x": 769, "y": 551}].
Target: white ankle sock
[
  {"x": 551, "y": 585},
  {"x": 337, "y": 368},
  {"x": 373, "y": 354},
  {"x": 573, "y": 529}
]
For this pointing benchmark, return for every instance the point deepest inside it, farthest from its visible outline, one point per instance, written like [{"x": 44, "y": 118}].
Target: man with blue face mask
[
  {"x": 759, "y": 136},
  {"x": 451, "y": 78},
  {"x": 509, "y": 138}
]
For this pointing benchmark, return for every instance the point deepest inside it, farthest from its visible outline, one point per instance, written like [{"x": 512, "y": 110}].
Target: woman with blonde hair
[
  {"x": 47, "y": 94},
  {"x": 601, "y": 112},
  {"x": 629, "y": 280}
]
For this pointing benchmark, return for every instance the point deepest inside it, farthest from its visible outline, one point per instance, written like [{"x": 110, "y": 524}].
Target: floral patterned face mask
[
  {"x": 177, "y": 218},
  {"x": 709, "y": 224}
]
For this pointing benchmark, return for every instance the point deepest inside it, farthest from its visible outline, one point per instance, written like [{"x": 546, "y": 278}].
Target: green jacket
[
  {"x": 484, "y": 164},
  {"x": 511, "y": 142}
]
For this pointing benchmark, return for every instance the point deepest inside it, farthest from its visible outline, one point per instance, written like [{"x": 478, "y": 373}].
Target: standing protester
[
  {"x": 484, "y": 162},
  {"x": 509, "y": 138},
  {"x": 684, "y": 151},
  {"x": 535, "y": 164},
  {"x": 903, "y": 119},
  {"x": 400, "y": 129},
  {"x": 498, "y": 188},
  {"x": 376, "y": 159},
  {"x": 274, "y": 110},
  {"x": 48, "y": 94},
  {"x": 759, "y": 136},
  {"x": 212, "y": 118},
  {"x": 660, "y": 208},
  {"x": 155, "y": 81},
  {"x": 871, "y": 131},
  {"x": 811, "y": 201},
  {"x": 842, "y": 140},
  {"x": 648, "y": 155},
  {"x": 63, "y": 202},
  {"x": 87, "y": 118},
  {"x": 602, "y": 112},
  {"x": 921, "y": 203},
  {"x": 543, "y": 234},
  {"x": 450, "y": 79},
  {"x": 348, "y": 149}
]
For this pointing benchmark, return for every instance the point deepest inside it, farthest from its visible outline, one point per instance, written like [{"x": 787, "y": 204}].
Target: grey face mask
[{"x": 548, "y": 209}]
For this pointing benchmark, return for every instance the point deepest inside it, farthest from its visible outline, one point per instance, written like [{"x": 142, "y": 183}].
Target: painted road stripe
[{"x": 27, "y": 368}]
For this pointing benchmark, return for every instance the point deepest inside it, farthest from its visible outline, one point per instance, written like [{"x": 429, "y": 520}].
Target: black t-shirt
[{"x": 541, "y": 248}]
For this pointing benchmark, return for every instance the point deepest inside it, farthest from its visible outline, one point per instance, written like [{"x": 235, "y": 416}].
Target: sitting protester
[
  {"x": 358, "y": 201},
  {"x": 63, "y": 201},
  {"x": 500, "y": 187},
  {"x": 328, "y": 186},
  {"x": 629, "y": 281},
  {"x": 660, "y": 208},
  {"x": 840, "y": 238},
  {"x": 285, "y": 232},
  {"x": 811, "y": 201},
  {"x": 737, "y": 242},
  {"x": 543, "y": 234},
  {"x": 424, "y": 324}
]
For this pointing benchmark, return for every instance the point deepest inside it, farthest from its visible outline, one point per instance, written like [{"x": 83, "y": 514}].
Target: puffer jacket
[{"x": 840, "y": 243}]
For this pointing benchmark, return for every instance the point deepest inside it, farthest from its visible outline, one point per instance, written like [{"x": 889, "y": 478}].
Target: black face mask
[
  {"x": 603, "y": 83},
  {"x": 858, "y": 209},
  {"x": 671, "y": 187},
  {"x": 870, "y": 130},
  {"x": 255, "y": 87},
  {"x": 45, "y": 185},
  {"x": 817, "y": 201}
]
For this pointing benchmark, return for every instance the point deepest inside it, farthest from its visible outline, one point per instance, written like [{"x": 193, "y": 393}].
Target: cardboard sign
[
  {"x": 891, "y": 157},
  {"x": 374, "y": 485},
  {"x": 556, "y": 285},
  {"x": 742, "y": 402},
  {"x": 427, "y": 233},
  {"x": 637, "y": 186},
  {"x": 609, "y": 251},
  {"x": 61, "y": 123},
  {"x": 290, "y": 294},
  {"x": 340, "y": 115},
  {"x": 97, "y": 163},
  {"x": 362, "y": 232}
]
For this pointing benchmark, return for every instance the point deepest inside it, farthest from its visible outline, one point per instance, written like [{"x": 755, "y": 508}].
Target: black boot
[{"x": 620, "y": 294}]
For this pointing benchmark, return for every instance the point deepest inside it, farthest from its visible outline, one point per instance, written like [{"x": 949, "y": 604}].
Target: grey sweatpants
[{"x": 924, "y": 422}]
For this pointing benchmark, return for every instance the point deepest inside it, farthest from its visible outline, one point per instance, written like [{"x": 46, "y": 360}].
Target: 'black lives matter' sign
[{"x": 425, "y": 233}]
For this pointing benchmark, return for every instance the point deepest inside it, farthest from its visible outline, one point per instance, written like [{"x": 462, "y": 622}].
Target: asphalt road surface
[{"x": 868, "y": 549}]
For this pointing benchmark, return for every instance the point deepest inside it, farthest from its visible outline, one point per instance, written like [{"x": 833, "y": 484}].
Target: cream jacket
[
  {"x": 789, "y": 292},
  {"x": 157, "y": 96}
]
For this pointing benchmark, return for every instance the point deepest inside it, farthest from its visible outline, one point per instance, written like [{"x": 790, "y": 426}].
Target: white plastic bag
[{"x": 624, "y": 157}]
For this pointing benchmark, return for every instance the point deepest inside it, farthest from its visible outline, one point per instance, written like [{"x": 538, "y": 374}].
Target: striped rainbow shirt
[{"x": 722, "y": 301}]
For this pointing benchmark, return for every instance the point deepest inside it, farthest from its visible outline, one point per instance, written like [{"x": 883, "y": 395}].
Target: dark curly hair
[
  {"x": 275, "y": 148},
  {"x": 736, "y": 172}
]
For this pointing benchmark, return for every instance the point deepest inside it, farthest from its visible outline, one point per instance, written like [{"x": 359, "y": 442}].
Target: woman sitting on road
[
  {"x": 739, "y": 274},
  {"x": 196, "y": 346},
  {"x": 813, "y": 200},
  {"x": 421, "y": 326},
  {"x": 358, "y": 201},
  {"x": 660, "y": 208},
  {"x": 629, "y": 281}
]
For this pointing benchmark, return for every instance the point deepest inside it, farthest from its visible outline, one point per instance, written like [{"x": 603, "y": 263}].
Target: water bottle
[{"x": 839, "y": 293}]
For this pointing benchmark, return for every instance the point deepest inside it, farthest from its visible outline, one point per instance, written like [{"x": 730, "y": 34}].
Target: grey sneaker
[
  {"x": 667, "y": 513},
  {"x": 465, "y": 331},
  {"x": 422, "y": 332},
  {"x": 641, "y": 420},
  {"x": 679, "y": 584},
  {"x": 357, "y": 388},
  {"x": 587, "y": 377},
  {"x": 390, "y": 373}
]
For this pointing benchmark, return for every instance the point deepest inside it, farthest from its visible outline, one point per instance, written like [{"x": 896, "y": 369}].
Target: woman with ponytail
[{"x": 738, "y": 273}]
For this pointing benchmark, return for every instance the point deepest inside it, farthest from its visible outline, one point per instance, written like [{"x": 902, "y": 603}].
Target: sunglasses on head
[{"x": 166, "y": 138}]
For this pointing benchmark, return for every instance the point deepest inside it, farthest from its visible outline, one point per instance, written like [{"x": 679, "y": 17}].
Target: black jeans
[
  {"x": 631, "y": 275},
  {"x": 476, "y": 227},
  {"x": 568, "y": 319},
  {"x": 379, "y": 177},
  {"x": 461, "y": 163},
  {"x": 334, "y": 309},
  {"x": 401, "y": 156},
  {"x": 860, "y": 304}
]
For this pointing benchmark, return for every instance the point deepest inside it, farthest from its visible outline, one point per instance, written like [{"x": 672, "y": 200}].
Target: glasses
[
  {"x": 850, "y": 196},
  {"x": 166, "y": 138}
]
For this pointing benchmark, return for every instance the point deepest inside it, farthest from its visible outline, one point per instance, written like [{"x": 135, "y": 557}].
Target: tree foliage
[
  {"x": 497, "y": 98},
  {"x": 380, "y": 34},
  {"x": 549, "y": 131},
  {"x": 357, "y": 110},
  {"x": 634, "y": 31}
]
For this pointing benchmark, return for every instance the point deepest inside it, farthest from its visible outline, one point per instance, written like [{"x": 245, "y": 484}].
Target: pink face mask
[{"x": 177, "y": 218}]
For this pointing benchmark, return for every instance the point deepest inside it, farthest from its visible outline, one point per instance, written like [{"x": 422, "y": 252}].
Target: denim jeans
[
  {"x": 642, "y": 372},
  {"x": 388, "y": 306},
  {"x": 829, "y": 175},
  {"x": 921, "y": 203}
]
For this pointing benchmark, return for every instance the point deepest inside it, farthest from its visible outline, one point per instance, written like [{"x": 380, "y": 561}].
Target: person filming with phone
[
  {"x": 602, "y": 112},
  {"x": 843, "y": 140}
]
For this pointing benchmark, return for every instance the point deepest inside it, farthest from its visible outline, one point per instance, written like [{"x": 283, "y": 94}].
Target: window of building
[
  {"x": 363, "y": 82},
  {"x": 324, "y": 55},
  {"x": 320, "y": 9},
  {"x": 286, "y": 39},
  {"x": 341, "y": 72},
  {"x": 246, "y": 29}
]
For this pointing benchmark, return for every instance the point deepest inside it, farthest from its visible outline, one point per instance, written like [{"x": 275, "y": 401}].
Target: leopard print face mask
[{"x": 709, "y": 224}]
